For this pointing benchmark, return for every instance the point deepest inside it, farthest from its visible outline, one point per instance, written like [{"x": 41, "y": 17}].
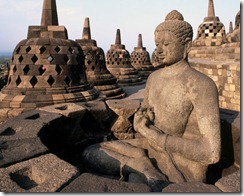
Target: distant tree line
[{"x": 4, "y": 60}]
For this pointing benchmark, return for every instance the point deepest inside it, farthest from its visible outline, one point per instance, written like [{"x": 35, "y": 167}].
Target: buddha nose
[{"x": 159, "y": 49}]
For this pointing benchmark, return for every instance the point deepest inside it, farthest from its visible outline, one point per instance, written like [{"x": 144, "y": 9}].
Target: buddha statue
[{"x": 178, "y": 119}]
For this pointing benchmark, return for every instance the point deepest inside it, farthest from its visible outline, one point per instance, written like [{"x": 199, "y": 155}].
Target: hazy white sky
[{"x": 130, "y": 16}]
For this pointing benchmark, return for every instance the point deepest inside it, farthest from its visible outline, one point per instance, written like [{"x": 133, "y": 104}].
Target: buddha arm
[{"x": 206, "y": 149}]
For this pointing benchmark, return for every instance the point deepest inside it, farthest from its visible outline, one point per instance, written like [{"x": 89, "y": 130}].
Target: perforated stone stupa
[
  {"x": 211, "y": 32},
  {"x": 140, "y": 60},
  {"x": 46, "y": 68},
  {"x": 96, "y": 70},
  {"x": 235, "y": 35},
  {"x": 118, "y": 63}
]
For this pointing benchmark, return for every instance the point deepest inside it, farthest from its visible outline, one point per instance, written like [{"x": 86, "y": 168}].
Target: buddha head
[{"x": 173, "y": 39}]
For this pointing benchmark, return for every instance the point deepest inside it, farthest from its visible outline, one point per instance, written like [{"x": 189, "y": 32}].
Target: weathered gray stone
[
  {"x": 230, "y": 183},
  {"x": 46, "y": 173},
  {"x": 89, "y": 183},
  {"x": 70, "y": 110},
  {"x": 191, "y": 187},
  {"x": 21, "y": 137},
  {"x": 179, "y": 119}
]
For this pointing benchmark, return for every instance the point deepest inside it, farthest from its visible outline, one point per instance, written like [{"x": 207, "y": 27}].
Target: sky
[{"x": 106, "y": 16}]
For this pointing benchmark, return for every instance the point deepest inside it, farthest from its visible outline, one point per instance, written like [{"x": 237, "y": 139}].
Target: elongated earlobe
[{"x": 188, "y": 44}]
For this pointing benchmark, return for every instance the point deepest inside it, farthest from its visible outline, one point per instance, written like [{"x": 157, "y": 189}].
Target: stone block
[
  {"x": 229, "y": 80},
  {"x": 65, "y": 109},
  {"x": 210, "y": 72},
  {"x": 230, "y": 183},
  {"x": 46, "y": 173},
  {"x": 233, "y": 67},
  {"x": 191, "y": 187},
  {"x": 21, "y": 136},
  {"x": 56, "y": 28},
  {"x": 15, "y": 112},
  {"x": 89, "y": 183},
  {"x": 4, "y": 114},
  {"x": 232, "y": 87},
  {"x": 124, "y": 109}
]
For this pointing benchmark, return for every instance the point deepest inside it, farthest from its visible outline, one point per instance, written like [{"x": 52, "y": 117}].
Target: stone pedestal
[{"x": 122, "y": 126}]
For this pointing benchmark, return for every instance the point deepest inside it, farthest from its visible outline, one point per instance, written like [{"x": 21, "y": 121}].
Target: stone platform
[{"x": 40, "y": 151}]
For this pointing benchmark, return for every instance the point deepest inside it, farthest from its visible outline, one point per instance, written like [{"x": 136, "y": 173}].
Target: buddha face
[{"x": 169, "y": 49}]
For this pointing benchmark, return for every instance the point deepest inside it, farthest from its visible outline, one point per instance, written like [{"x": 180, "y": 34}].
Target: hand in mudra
[{"x": 143, "y": 118}]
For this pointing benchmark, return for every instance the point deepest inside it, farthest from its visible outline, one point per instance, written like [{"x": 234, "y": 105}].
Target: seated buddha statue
[{"x": 178, "y": 119}]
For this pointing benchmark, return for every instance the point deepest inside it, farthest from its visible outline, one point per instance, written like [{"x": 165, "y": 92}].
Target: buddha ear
[{"x": 188, "y": 44}]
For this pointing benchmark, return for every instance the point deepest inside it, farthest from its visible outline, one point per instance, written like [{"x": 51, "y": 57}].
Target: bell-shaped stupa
[
  {"x": 118, "y": 63},
  {"x": 235, "y": 35},
  {"x": 211, "y": 32},
  {"x": 96, "y": 70},
  {"x": 140, "y": 60},
  {"x": 46, "y": 68}
]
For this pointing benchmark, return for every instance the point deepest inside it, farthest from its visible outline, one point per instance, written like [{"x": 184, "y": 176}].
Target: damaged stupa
[
  {"x": 119, "y": 64},
  {"x": 46, "y": 68},
  {"x": 96, "y": 71},
  {"x": 211, "y": 32},
  {"x": 140, "y": 60}
]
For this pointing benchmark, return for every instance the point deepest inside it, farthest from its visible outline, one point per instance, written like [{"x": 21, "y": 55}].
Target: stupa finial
[
  {"x": 140, "y": 44},
  {"x": 86, "y": 29},
  {"x": 231, "y": 27},
  {"x": 211, "y": 12},
  {"x": 118, "y": 38},
  {"x": 49, "y": 13}
]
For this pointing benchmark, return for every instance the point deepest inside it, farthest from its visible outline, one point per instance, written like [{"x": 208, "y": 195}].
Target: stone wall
[
  {"x": 226, "y": 75},
  {"x": 228, "y": 51}
]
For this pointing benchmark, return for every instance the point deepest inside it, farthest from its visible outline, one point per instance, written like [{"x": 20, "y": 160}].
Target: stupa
[
  {"x": 211, "y": 32},
  {"x": 140, "y": 60},
  {"x": 46, "y": 68},
  {"x": 118, "y": 63},
  {"x": 235, "y": 35},
  {"x": 96, "y": 70}
]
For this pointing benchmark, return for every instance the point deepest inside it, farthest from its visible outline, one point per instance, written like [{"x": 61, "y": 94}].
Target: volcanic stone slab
[
  {"x": 21, "y": 137},
  {"x": 230, "y": 183},
  {"x": 65, "y": 109},
  {"x": 90, "y": 183},
  {"x": 42, "y": 174},
  {"x": 191, "y": 187}
]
